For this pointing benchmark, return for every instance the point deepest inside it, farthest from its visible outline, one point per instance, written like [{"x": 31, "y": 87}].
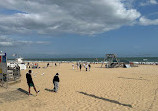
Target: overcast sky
[{"x": 77, "y": 28}]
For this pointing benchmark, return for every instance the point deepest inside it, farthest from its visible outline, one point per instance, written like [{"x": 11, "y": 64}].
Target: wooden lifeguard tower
[{"x": 111, "y": 61}]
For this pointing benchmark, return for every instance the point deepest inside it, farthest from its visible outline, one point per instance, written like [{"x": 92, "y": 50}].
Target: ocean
[{"x": 121, "y": 59}]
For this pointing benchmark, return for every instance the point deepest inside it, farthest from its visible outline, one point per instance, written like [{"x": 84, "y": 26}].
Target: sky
[{"x": 79, "y": 28}]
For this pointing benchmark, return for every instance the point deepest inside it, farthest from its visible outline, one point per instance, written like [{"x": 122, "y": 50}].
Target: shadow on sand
[
  {"x": 23, "y": 91},
  {"x": 50, "y": 90},
  {"x": 15, "y": 95},
  {"x": 112, "y": 101},
  {"x": 133, "y": 78},
  {"x": 101, "y": 67}
]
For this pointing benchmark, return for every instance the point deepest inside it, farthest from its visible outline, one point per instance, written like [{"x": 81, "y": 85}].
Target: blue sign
[{"x": 4, "y": 59}]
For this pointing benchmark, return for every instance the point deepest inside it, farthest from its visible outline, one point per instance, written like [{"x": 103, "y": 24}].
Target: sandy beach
[{"x": 101, "y": 89}]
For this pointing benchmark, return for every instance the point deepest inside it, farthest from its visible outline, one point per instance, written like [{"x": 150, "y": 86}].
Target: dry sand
[{"x": 101, "y": 89}]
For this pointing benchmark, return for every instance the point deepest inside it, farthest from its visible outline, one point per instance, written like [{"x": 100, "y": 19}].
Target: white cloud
[
  {"x": 9, "y": 42},
  {"x": 153, "y": 2},
  {"x": 70, "y": 16},
  {"x": 128, "y": 3},
  {"x": 145, "y": 21},
  {"x": 149, "y": 2},
  {"x": 6, "y": 44}
]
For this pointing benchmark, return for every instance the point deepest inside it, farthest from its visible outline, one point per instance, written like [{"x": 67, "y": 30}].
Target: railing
[{"x": 13, "y": 74}]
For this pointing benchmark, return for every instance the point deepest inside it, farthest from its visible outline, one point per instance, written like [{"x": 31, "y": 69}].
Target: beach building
[{"x": 17, "y": 63}]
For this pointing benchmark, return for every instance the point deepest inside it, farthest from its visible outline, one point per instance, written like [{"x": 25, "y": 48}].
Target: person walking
[
  {"x": 56, "y": 82},
  {"x": 89, "y": 67},
  {"x": 80, "y": 67},
  {"x": 30, "y": 82},
  {"x": 86, "y": 66},
  {"x": 55, "y": 64},
  {"x": 77, "y": 65},
  {"x": 73, "y": 67},
  {"x": 47, "y": 64}
]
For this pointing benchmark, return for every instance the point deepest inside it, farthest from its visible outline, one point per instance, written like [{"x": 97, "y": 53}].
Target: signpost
[{"x": 3, "y": 69}]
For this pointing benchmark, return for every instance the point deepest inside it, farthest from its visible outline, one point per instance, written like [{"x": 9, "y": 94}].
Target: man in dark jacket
[
  {"x": 30, "y": 81},
  {"x": 47, "y": 64},
  {"x": 80, "y": 67},
  {"x": 56, "y": 82},
  {"x": 89, "y": 67}
]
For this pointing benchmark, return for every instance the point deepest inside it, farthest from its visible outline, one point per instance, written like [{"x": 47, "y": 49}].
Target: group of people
[
  {"x": 32, "y": 65},
  {"x": 55, "y": 79},
  {"x": 31, "y": 83},
  {"x": 86, "y": 66}
]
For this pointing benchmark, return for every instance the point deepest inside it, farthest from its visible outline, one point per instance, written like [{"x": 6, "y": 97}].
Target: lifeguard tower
[
  {"x": 3, "y": 70},
  {"x": 111, "y": 61},
  {"x": 8, "y": 74}
]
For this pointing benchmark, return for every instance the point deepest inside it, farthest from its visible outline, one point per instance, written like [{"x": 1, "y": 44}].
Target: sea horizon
[{"x": 91, "y": 59}]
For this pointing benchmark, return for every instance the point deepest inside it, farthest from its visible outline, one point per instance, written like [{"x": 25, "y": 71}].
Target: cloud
[
  {"x": 149, "y": 2},
  {"x": 153, "y": 1},
  {"x": 60, "y": 16},
  {"x": 129, "y": 4},
  {"x": 144, "y": 21},
  {"x": 9, "y": 42}
]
